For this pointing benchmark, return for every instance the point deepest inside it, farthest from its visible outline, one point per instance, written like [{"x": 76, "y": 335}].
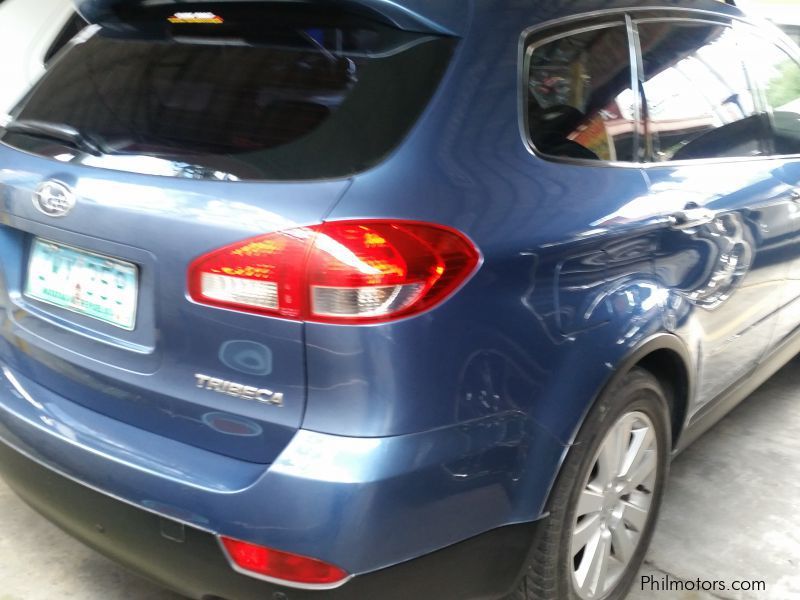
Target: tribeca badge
[{"x": 239, "y": 390}]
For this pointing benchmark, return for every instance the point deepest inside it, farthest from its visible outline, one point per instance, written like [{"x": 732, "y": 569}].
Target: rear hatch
[{"x": 155, "y": 139}]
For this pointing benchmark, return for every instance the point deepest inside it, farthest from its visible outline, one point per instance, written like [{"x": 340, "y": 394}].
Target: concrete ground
[{"x": 732, "y": 513}]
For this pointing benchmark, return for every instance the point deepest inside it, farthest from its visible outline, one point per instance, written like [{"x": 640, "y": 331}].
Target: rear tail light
[
  {"x": 339, "y": 272},
  {"x": 282, "y": 566}
]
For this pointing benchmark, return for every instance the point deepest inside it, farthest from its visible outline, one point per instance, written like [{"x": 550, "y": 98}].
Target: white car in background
[{"x": 31, "y": 33}]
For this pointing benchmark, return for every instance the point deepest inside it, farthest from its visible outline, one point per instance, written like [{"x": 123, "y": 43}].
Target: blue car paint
[
  {"x": 358, "y": 501},
  {"x": 396, "y": 439},
  {"x": 146, "y": 377}
]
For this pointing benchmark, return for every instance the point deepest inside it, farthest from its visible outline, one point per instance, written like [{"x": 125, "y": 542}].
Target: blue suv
[{"x": 379, "y": 300}]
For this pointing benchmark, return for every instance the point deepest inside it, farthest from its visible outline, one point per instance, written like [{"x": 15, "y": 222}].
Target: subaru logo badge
[{"x": 54, "y": 199}]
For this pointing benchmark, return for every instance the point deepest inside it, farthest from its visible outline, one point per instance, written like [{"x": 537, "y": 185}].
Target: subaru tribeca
[{"x": 381, "y": 300}]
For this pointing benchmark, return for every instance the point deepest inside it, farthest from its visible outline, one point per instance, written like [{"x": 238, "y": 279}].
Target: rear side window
[
  {"x": 251, "y": 95},
  {"x": 580, "y": 103},
  {"x": 698, "y": 97},
  {"x": 777, "y": 76}
]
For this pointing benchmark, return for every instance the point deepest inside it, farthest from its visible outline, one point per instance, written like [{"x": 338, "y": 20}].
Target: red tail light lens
[
  {"x": 282, "y": 566},
  {"x": 340, "y": 272}
]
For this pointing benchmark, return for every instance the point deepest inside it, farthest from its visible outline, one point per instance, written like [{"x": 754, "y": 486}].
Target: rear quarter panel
[{"x": 566, "y": 291}]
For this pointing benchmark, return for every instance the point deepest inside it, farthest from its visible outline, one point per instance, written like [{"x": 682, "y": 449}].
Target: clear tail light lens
[
  {"x": 282, "y": 566},
  {"x": 339, "y": 272}
]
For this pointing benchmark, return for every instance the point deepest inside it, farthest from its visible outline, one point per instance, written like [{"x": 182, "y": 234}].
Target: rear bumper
[
  {"x": 189, "y": 560},
  {"x": 364, "y": 504}
]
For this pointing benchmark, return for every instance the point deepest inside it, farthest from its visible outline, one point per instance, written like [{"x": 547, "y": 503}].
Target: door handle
[
  {"x": 794, "y": 196},
  {"x": 691, "y": 217}
]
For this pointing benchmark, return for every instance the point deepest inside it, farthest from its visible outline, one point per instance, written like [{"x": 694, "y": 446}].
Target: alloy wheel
[{"x": 614, "y": 505}]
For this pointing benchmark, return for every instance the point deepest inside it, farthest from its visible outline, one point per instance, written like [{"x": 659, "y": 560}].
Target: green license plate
[{"x": 89, "y": 284}]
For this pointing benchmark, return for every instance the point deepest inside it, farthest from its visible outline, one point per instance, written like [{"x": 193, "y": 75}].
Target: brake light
[
  {"x": 339, "y": 272},
  {"x": 282, "y": 566}
]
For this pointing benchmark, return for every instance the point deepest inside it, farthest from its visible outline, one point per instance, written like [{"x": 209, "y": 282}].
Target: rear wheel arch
[
  {"x": 666, "y": 357},
  {"x": 673, "y": 372}
]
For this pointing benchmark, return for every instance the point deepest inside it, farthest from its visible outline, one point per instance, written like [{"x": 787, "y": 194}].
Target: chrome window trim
[
  {"x": 633, "y": 10},
  {"x": 640, "y": 129},
  {"x": 719, "y": 22},
  {"x": 571, "y": 32},
  {"x": 692, "y": 15}
]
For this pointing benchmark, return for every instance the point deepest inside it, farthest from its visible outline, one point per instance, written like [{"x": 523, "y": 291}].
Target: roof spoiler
[{"x": 447, "y": 17}]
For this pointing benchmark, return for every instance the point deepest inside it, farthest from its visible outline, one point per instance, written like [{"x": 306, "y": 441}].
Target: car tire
[{"x": 593, "y": 500}]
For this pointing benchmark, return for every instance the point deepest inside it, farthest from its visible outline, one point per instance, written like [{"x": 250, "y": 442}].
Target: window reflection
[
  {"x": 698, "y": 98},
  {"x": 300, "y": 96},
  {"x": 581, "y": 104},
  {"x": 777, "y": 75}
]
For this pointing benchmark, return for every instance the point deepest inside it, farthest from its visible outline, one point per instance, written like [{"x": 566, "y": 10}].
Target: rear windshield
[{"x": 241, "y": 96}]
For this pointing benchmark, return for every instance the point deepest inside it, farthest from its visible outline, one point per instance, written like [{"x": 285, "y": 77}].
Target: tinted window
[
  {"x": 262, "y": 98},
  {"x": 698, "y": 98},
  {"x": 778, "y": 77},
  {"x": 580, "y": 99}
]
